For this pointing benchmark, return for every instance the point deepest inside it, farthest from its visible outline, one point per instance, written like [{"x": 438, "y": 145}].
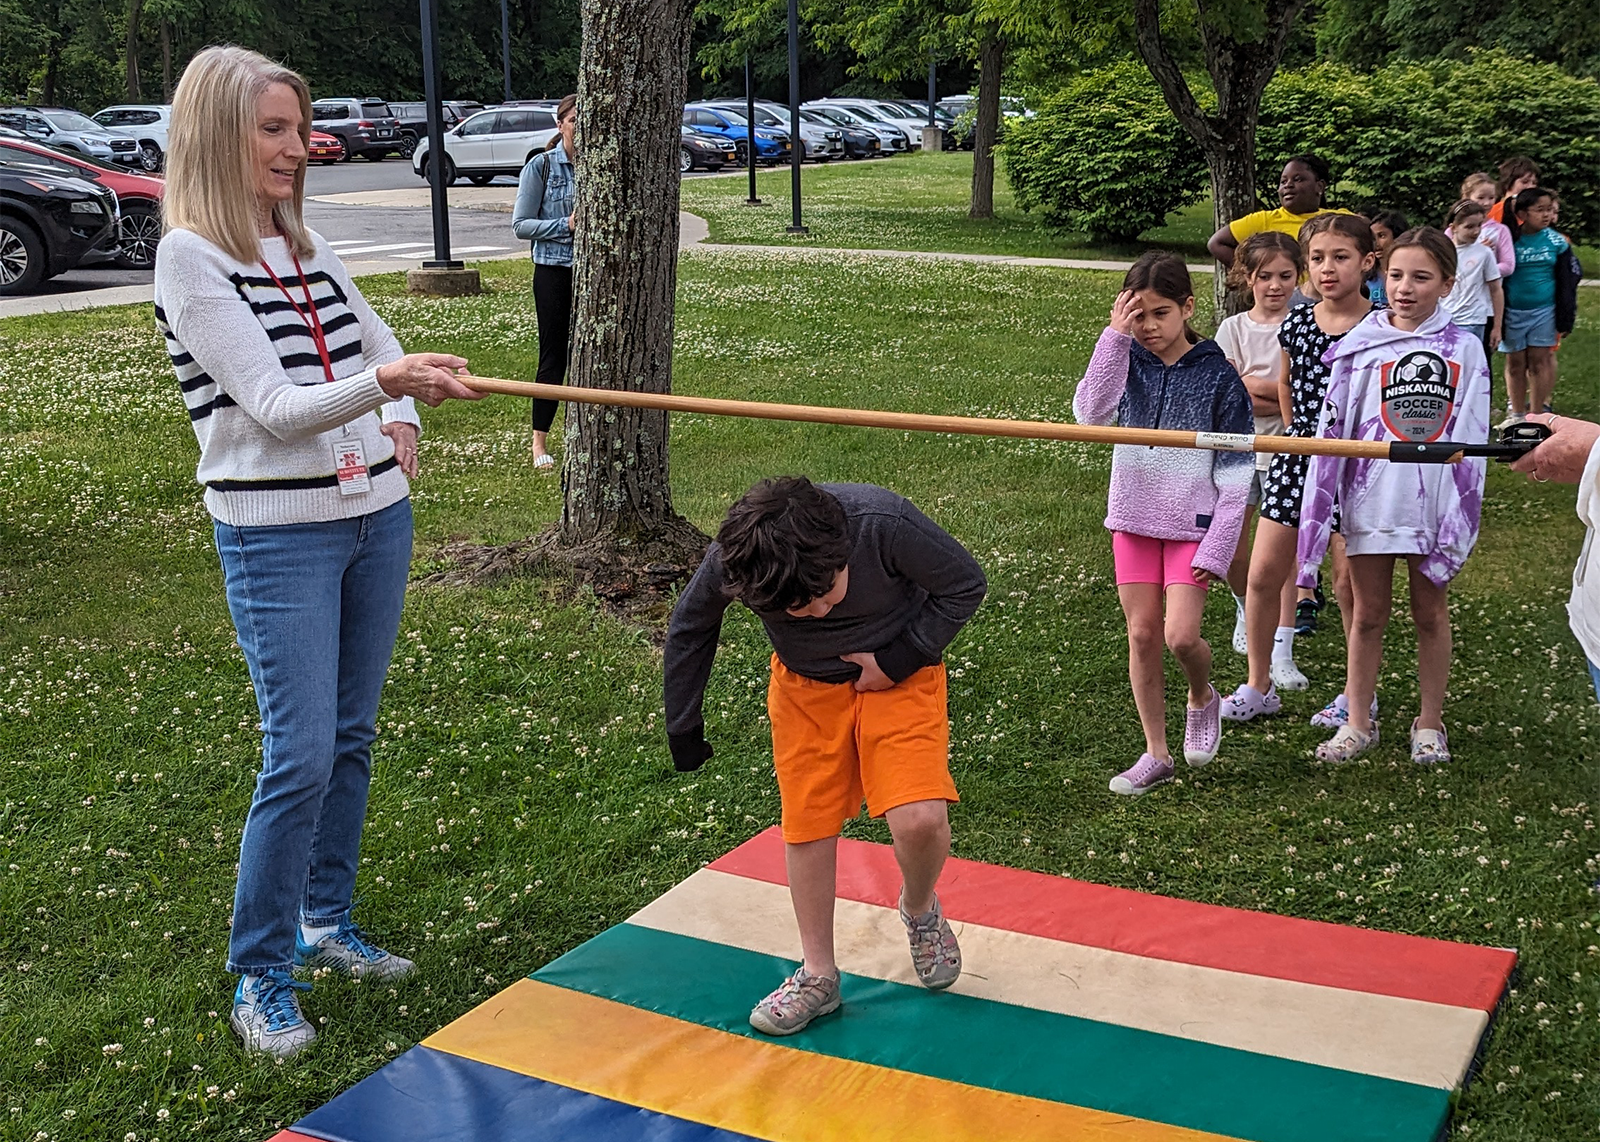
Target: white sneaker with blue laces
[
  {"x": 348, "y": 951},
  {"x": 266, "y": 1015}
]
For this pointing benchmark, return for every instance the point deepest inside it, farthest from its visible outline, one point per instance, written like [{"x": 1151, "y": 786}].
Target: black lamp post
[
  {"x": 505, "y": 44},
  {"x": 750, "y": 130},
  {"x": 795, "y": 144},
  {"x": 436, "y": 156}
]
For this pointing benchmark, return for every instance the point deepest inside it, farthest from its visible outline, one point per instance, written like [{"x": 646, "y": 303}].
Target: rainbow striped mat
[{"x": 1085, "y": 1012}]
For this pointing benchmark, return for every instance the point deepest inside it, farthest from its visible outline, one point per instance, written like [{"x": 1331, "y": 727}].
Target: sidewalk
[{"x": 942, "y": 256}]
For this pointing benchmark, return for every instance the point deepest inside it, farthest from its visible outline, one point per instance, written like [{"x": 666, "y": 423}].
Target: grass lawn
[
  {"x": 919, "y": 202},
  {"x": 522, "y": 799},
  {"x": 910, "y": 202}
]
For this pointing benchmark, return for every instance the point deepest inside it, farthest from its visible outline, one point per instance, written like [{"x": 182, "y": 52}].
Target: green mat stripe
[{"x": 1005, "y": 1047}]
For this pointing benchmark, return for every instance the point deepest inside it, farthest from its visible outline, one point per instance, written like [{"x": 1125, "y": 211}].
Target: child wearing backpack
[
  {"x": 1408, "y": 373},
  {"x": 1174, "y": 514}
]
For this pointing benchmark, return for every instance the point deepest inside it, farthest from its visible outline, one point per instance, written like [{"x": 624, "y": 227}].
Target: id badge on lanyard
[{"x": 349, "y": 454}]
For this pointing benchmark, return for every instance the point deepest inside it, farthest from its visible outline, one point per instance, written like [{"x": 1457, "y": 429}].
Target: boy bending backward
[{"x": 860, "y": 593}]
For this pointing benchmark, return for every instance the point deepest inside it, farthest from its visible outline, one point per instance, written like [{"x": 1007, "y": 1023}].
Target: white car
[
  {"x": 490, "y": 143},
  {"x": 877, "y": 113},
  {"x": 146, "y": 124},
  {"x": 891, "y": 139}
]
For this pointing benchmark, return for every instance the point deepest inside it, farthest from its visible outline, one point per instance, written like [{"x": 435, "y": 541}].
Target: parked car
[
  {"x": 772, "y": 143},
  {"x": 817, "y": 143},
  {"x": 703, "y": 152},
  {"x": 892, "y": 139},
  {"x": 366, "y": 127},
  {"x": 324, "y": 148},
  {"x": 69, "y": 131},
  {"x": 133, "y": 244},
  {"x": 878, "y": 111},
  {"x": 146, "y": 124},
  {"x": 490, "y": 143},
  {"x": 48, "y": 223},
  {"x": 859, "y": 143},
  {"x": 414, "y": 122},
  {"x": 918, "y": 109}
]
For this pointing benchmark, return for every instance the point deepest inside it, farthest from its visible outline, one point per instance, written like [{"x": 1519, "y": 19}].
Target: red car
[
  {"x": 325, "y": 148},
  {"x": 138, "y": 196}
]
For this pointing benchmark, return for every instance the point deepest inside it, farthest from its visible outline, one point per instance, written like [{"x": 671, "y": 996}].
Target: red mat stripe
[{"x": 1162, "y": 927}]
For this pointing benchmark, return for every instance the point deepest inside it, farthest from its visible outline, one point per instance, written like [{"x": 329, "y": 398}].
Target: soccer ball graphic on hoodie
[{"x": 1419, "y": 394}]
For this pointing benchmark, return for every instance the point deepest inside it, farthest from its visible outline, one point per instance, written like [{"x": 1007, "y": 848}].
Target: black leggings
[{"x": 552, "y": 302}]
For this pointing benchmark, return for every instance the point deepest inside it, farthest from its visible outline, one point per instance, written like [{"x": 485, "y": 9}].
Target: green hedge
[
  {"x": 1401, "y": 137},
  {"x": 1094, "y": 160}
]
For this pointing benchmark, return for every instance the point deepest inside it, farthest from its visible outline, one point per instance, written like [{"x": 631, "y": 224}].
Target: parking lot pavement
[{"x": 376, "y": 215}]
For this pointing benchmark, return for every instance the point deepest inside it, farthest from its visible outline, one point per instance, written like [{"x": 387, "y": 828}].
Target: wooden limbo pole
[{"x": 1438, "y": 452}]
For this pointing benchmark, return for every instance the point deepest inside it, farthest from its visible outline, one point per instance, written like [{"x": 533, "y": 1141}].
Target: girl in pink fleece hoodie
[
  {"x": 1408, "y": 373},
  {"x": 1174, "y": 513}
]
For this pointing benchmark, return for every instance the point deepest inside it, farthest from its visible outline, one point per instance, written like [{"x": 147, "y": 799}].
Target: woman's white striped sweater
[{"x": 252, "y": 380}]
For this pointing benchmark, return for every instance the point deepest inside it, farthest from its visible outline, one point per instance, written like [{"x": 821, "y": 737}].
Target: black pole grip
[{"x": 1439, "y": 452}]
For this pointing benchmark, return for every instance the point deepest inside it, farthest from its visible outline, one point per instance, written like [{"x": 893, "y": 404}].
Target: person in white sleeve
[{"x": 303, "y": 404}]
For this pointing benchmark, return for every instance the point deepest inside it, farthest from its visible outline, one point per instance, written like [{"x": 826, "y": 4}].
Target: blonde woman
[{"x": 303, "y": 404}]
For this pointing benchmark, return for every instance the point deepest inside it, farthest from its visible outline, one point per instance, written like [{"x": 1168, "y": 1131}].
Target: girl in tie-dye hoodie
[
  {"x": 1174, "y": 514},
  {"x": 1408, "y": 374}
]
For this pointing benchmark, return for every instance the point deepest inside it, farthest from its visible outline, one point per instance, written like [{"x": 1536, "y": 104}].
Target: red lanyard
[{"x": 313, "y": 322}]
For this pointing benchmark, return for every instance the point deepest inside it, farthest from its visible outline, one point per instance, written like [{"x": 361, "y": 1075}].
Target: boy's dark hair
[
  {"x": 1433, "y": 242},
  {"x": 1165, "y": 274},
  {"x": 1525, "y": 201},
  {"x": 783, "y": 544},
  {"x": 1513, "y": 169},
  {"x": 1259, "y": 249},
  {"x": 1391, "y": 220},
  {"x": 1351, "y": 226}
]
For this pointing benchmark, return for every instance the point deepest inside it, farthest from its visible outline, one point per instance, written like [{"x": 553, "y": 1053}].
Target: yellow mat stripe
[{"x": 761, "y": 1089}]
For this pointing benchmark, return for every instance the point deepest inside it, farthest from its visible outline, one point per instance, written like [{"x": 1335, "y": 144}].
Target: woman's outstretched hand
[
  {"x": 427, "y": 377},
  {"x": 1560, "y": 458}
]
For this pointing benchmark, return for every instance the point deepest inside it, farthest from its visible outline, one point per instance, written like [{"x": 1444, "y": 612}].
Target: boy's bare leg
[
  {"x": 812, "y": 886},
  {"x": 921, "y": 831}
]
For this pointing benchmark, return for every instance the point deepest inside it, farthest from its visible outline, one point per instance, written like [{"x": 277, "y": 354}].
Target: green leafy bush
[
  {"x": 1106, "y": 156},
  {"x": 1103, "y": 156}
]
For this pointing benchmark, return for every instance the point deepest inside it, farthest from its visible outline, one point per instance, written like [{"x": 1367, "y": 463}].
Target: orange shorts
[{"x": 832, "y": 746}]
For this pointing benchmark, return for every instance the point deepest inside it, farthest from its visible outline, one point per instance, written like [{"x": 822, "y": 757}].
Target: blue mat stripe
[{"x": 427, "y": 1096}]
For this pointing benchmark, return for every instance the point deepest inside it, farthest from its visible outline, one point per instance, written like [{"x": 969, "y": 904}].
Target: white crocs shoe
[
  {"x": 1429, "y": 747},
  {"x": 1287, "y": 676}
]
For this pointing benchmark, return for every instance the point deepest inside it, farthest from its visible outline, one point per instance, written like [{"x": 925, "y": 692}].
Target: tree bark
[
  {"x": 986, "y": 130},
  {"x": 166, "y": 60},
  {"x": 616, "y": 498},
  {"x": 1239, "y": 72},
  {"x": 131, "y": 56}
]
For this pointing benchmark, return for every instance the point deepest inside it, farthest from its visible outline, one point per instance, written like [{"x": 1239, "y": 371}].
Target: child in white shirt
[{"x": 1477, "y": 301}]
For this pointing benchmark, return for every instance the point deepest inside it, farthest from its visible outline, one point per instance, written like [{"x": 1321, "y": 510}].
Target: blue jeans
[{"x": 317, "y": 609}]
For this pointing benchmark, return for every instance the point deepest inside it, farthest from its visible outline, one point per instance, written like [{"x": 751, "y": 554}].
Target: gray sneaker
[
  {"x": 934, "y": 951},
  {"x": 797, "y": 1001},
  {"x": 349, "y": 952},
  {"x": 266, "y": 1015}
]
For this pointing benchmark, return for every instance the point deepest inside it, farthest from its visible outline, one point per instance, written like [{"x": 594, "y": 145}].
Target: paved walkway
[{"x": 945, "y": 256}]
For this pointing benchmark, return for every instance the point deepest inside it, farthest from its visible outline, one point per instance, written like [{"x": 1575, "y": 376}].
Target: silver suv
[
  {"x": 366, "y": 127},
  {"x": 68, "y": 130}
]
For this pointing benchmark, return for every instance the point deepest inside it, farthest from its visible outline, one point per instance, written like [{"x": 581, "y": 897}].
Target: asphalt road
[{"x": 401, "y": 232}]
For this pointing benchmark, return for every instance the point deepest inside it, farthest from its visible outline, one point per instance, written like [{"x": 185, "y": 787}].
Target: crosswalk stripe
[
  {"x": 461, "y": 250},
  {"x": 380, "y": 249}
]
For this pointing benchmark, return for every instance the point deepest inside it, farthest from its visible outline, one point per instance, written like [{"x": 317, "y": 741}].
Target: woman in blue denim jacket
[{"x": 543, "y": 215}]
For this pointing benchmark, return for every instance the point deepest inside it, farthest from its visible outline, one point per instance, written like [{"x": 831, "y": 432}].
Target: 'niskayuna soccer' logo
[{"x": 1419, "y": 394}]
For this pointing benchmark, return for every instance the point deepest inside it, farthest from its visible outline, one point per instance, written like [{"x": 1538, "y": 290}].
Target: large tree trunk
[
  {"x": 131, "y": 56},
  {"x": 986, "y": 130},
  {"x": 631, "y": 79},
  {"x": 1239, "y": 73}
]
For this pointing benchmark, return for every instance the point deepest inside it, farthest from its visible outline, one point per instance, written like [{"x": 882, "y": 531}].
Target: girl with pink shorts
[{"x": 1174, "y": 514}]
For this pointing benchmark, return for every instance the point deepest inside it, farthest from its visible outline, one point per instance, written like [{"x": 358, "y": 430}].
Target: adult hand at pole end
[
  {"x": 427, "y": 377},
  {"x": 1560, "y": 458}
]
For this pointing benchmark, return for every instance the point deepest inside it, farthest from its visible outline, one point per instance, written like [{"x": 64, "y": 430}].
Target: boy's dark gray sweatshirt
[{"x": 911, "y": 589}]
